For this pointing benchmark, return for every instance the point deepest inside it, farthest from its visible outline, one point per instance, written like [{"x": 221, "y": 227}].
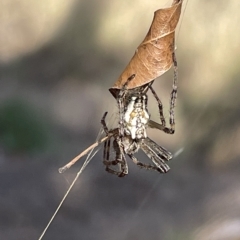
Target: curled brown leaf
[{"x": 153, "y": 57}]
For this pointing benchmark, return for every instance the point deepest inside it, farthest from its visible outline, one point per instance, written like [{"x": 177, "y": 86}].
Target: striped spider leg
[
  {"x": 173, "y": 98},
  {"x": 129, "y": 146},
  {"x": 120, "y": 158}
]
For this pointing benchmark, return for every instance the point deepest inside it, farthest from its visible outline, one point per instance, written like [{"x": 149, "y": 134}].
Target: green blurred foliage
[{"x": 22, "y": 129}]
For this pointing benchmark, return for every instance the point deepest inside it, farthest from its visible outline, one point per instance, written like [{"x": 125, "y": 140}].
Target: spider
[
  {"x": 131, "y": 135},
  {"x": 129, "y": 146}
]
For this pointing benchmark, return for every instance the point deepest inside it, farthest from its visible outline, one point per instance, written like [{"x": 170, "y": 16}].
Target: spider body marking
[{"x": 136, "y": 117}]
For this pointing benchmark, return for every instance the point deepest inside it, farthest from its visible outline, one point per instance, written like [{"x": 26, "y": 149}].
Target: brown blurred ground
[{"x": 57, "y": 61}]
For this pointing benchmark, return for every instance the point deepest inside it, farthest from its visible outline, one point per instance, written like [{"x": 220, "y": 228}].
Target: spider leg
[
  {"x": 143, "y": 165},
  {"x": 160, "y": 106},
  {"x": 120, "y": 157},
  {"x": 173, "y": 98},
  {"x": 156, "y": 159},
  {"x": 120, "y": 160},
  {"x": 104, "y": 125},
  {"x": 106, "y": 155},
  {"x": 161, "y": 151},
  {"x": 173, "y": 94},
  {"x": 107, "y": 144},
  {"x": 106, "y": 151}
]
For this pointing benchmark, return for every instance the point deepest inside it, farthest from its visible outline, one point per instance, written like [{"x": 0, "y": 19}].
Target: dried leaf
[{"x": 153, "y": 57}]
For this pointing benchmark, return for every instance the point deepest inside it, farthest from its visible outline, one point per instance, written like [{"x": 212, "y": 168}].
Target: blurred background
[{"x": 57, "y": 60}]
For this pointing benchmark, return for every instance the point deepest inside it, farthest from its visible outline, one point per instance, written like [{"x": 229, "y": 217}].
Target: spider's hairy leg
[
  {"x": 120, "y": 158},
  {"x": 162, "y": 167},
  {"x": 143, "y": 165},
  {"x": 173, "y": 93},
  {"x": 160, "y": 106},
  {"x": 106, "y": 151},
  {"x": 107, "y": 144},
  {"x": 173, "y": 99},
  {"x": 104, "y": 125},
  {"x": 127, "y": 82},
  {"x": 161, "y": 151}
]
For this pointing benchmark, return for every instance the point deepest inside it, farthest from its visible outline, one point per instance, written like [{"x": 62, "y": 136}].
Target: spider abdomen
[{"x": 136, "y": 117}]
